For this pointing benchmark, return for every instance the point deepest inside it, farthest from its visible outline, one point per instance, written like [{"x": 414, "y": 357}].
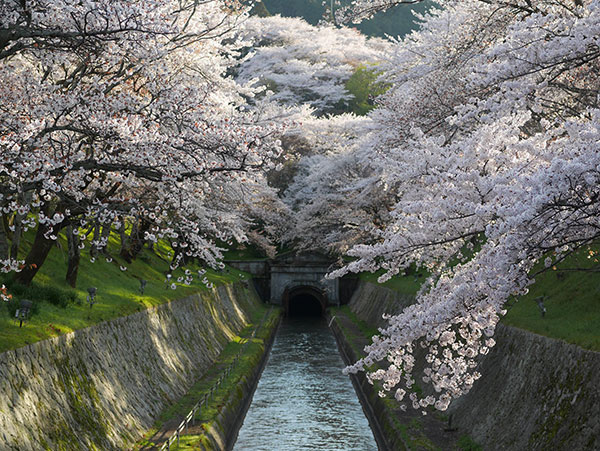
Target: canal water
[{"x": 303, "y": 401}]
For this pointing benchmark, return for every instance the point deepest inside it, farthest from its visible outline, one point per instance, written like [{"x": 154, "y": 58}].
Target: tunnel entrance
[
  {"x": 304, "y": 305},
  {"x": 304, "y": 302}
]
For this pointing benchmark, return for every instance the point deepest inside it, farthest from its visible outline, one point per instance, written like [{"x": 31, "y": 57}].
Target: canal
[{"x": 303, "y": 401}]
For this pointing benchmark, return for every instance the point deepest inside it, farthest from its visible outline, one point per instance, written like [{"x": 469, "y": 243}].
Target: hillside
[
  {"x": 395, "y": 22},
  {"x": 59, "y": 309},
  {"x": 570, "y": 294}
]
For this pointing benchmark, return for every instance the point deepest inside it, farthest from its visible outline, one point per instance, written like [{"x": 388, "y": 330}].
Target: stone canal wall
[
  {"x": 535, "y": 393},
  {"x": 370, "y": 302},
  {"x": 223, "y": 431},
  {"x": 380, "y": 419},
  {"x": 103, "y": 386}
]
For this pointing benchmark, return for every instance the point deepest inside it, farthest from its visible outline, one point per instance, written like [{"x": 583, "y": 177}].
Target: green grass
[
  {"x": 244, "y": 366},
  {"x": 118, "y": 291},
  {"x": 572, "y": 303},
  {"x": 246, "y": 253},
  {"x": 366, "y": 329},
  {"x": 405, "y": 284}
]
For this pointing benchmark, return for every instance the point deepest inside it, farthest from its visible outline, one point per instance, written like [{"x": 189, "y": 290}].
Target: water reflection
[{"x": 303, "y": 401}]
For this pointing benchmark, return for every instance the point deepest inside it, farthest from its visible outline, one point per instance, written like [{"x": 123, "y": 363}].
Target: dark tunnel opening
[{"x": 304, "y": 305}]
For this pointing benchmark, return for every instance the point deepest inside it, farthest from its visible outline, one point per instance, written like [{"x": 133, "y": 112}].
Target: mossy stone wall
[
  {"x": 536, "y": 393},
  {"x": 102, "y": 387},
  {"x": 369, "y": 302}
]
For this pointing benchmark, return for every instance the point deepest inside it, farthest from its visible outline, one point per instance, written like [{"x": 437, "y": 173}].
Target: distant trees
[
  {"x": 304, "y": 64},
  {"x": 335, "y": 194},
  {"x": 393, "y": 22},
  {"x": 357, "y": 11},
  {"x": 365, "y": 87}
]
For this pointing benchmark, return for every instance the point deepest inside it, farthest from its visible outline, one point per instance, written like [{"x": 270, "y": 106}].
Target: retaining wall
[
  {"x": 223, "y": 432},
  {"x": 535, "y": 393},
  {"x": 103, "y": 386}
]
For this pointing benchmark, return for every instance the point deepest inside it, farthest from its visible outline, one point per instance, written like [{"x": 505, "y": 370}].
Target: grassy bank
[
  {"x": 408, "y": 285},
  {"x": 571, "y": 296},
  {"x": 571, "y": 292},
  {"x": 228, "y": 394},
  {"x": 60, "y": 309}
]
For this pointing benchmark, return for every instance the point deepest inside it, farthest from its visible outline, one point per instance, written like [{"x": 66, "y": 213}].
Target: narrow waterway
[{"x": 303, "y": 401}]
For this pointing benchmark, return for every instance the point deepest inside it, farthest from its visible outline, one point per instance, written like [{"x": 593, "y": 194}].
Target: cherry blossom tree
[
  {"x": 489, "y": 137},
  {"x": 118, "y": 112},
  {"x": 307, "y": 69},
  {"x": 305, "y": 64},
  {"x": 336, "y": 193}
]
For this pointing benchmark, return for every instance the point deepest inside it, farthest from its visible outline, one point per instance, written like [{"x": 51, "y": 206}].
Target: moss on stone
[{"x": 84, "y": 404}]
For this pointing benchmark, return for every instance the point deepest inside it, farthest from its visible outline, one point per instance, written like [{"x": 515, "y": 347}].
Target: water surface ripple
[{"x": 303, "y": 401}]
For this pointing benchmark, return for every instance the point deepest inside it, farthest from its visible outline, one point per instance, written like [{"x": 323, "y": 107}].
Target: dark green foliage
[
  {"x": 36, "y": 292},
  {"x": 466, "y": 443},
  {"x": 260, "y": 10},
  {"x": 397, "y": 21},
  {"x": 244, "y": 252},
  {"x": 363, "y": 85},
  {"x": 311, "y": 10}
]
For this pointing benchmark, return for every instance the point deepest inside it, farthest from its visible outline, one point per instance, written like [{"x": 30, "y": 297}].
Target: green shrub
[
  {"x": 364, "y": 86},
  {"x": 58, "y": 296},
  {"x": 61, "y": 297},
  {"x": 466, "y": 443}
]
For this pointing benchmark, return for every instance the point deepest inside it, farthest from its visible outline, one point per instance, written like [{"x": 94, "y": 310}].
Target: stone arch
[{"x": 304, "y": 299}]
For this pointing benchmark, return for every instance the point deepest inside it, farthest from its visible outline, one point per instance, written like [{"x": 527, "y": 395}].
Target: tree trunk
[
  {"x": 37, "y": 255},
  {"x": 179, "y": 258},
  {"x": 16, "y": 239},
  {"x": 123, "y": 236},
  {"x": 6, "y": 222},
  {"x": 175, "y": 259},
  {"x": 24, "y": 198},
  {"x": 74, "y": 257},
  {"x": 136, "y": 240},
  {"x": 95, "y": 239},
  {"x": 3, "y": 240},
  {"x": 105, "y": 236},
  {"x": 40, "y": 249}
]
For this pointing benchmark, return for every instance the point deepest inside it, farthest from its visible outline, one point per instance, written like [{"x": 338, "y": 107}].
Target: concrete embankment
[
  {"x": 373, "y": 406},
  {"x": 535, "y": 393},
  {"x": 102, "y": 387}
]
